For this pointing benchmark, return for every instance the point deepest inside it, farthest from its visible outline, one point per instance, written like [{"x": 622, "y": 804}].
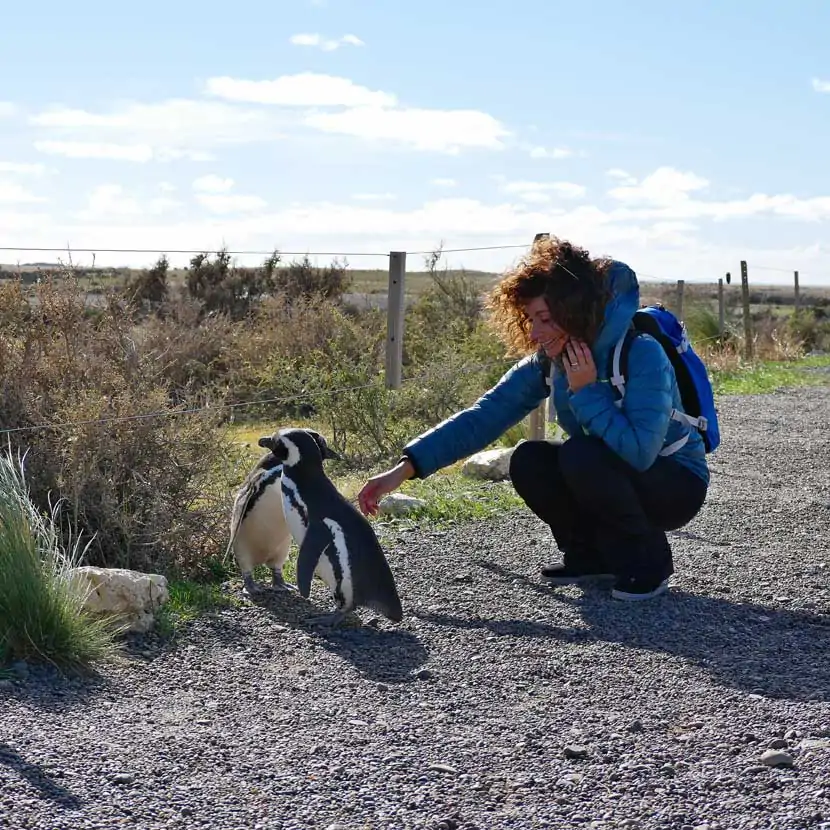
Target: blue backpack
[{"x": 692, "y": 378}]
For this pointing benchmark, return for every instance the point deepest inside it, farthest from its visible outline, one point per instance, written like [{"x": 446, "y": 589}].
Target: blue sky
[{"x": 679, "y": 137}]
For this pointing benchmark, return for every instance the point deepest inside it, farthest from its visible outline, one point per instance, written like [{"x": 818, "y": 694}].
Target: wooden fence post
[
  {"x": 537, "y": 420},
  {"x": 797, "y": 293},
  {"x": 395, "y": 311},
  {"x": 721, "y": 310},
  {"x": 680, "y": 286},
  {"x": 747, "y": 321}
]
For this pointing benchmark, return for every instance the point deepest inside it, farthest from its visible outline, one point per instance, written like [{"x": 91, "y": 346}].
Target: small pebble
[{"x": 776, "y": 758}]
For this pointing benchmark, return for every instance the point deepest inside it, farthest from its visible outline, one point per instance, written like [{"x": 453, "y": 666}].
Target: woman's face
[{"x": 543, "y": 331}]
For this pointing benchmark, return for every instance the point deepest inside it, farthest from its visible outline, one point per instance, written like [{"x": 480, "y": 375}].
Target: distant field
[{"x": 376, "y": 281}]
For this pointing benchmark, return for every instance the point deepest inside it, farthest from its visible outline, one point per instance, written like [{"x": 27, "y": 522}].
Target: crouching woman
[{"x": 627, "y": 471}]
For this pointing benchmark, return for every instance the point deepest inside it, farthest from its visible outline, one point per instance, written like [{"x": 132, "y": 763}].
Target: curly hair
[{"x": 573, "y": 284}]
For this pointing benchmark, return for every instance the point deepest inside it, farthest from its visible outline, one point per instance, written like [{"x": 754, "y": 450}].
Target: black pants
[{"x": 600, "y": 509}]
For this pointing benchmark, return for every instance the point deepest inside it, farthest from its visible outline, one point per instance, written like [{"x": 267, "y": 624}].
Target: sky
[{"x": 679, "y": 138}]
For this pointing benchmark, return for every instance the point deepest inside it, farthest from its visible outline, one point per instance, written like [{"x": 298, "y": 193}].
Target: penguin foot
[
  {"x": 278, "y": 583},
  {"x": 253, "y": 589}
]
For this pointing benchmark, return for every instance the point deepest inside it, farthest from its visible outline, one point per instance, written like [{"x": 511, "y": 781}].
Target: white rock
[
  {"x": 399, "y": 504},
  {"x": 493, "y": 465},
  {"x": 132, "y": 596}
]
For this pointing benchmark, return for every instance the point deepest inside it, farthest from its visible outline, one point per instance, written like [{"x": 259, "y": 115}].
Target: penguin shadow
[
  {"x": 378, "y": 650},
  {"x": 771, "y": 651}
]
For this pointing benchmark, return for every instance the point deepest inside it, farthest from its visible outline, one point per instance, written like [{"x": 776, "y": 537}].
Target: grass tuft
[{"x": 41, "y": 611}]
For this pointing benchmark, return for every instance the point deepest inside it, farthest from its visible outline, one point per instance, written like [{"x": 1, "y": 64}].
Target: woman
[{"x": 628, "y": 472}]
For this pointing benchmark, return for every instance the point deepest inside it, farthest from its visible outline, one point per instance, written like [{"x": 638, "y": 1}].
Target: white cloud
[
  {"x": 423, "y": 129},
  {"x": 213, "y": 193},
  {"x": 665, "y": 186},
  {"x": 444, "y": 182},
  {"x": 540, "y": 191},
  {"x": 821, "y": 86},
  {"x": 212, "y": 184},
  {"x": 366, "y": 113},
  {"x": 13, "y": 194},
  {"x": 552, "y": 153},
  {"x": 173, "y": 129},
  {"x": 111, "y": 201},
  {"x": 623, "y": 175},
  {"x": 326, "y": 44},
  {"x": 7, "y": 109},
  {"x": 648, "y": 237},
  {"x": 306, "y": 89},
  {"x": 96, "y": 150},
  {"x": 22, "y": 168},
  {"x": 225, "y": 203},
  {"x": 167, "y": 187},
  {"x": 374, "y": 197}
]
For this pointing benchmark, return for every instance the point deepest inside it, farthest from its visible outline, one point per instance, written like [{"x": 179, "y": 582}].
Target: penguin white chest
[
  {"x": 296, "y": 512},
  {"x": 334, "y": 566}
]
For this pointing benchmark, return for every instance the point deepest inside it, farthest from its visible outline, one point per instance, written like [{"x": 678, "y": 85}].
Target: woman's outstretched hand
[{"x": 378, "y": 486}]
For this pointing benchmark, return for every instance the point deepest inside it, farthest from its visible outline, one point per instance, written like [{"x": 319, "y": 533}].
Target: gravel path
[{"x": 497, "y": 703}]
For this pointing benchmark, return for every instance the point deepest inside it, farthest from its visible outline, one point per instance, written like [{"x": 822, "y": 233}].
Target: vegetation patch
[
  {"x": 138, "y": 396},
  {"x": 42, "y": 612}
]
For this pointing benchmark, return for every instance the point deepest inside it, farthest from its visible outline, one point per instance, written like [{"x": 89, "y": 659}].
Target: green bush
[{"x": 41, "y": 612}]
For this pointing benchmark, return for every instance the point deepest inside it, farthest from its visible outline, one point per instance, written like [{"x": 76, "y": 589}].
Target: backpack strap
[{"x": 617, "y": 375}]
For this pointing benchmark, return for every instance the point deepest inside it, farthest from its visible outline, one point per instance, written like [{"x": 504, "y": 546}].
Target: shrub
[
  {"x": 222, "y": 287},
  {"x": 152, "y": 491},
  {"x": 302, "y": 279},
  {"x": 41, "y": 611},
  {"x": 149, "y": 288}
]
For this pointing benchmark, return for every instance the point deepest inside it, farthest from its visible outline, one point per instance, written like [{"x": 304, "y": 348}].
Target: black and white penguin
[
  {"x": 259, "y": 532},
  {"x": 336, "y": 541}
]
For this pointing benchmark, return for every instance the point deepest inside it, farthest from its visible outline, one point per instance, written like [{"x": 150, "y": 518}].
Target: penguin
[
  {"x": 336, "y": 542},
  {"x": 259, "y": 532}
]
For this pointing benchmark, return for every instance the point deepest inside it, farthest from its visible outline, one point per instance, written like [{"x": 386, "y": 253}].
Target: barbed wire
[
  {"x": 195, "y": 252},
  {"x": 165, "y": 413}
]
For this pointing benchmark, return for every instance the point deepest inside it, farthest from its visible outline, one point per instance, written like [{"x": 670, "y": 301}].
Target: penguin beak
[{"x": 330, "y": 453}]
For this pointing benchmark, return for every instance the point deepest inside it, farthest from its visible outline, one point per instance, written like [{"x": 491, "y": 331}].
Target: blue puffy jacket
[{"x": 637, "y": 430}]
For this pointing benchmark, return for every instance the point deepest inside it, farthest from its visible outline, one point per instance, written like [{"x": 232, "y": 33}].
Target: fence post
[
  {"x": 537, "y": 420},
  {"x": 395, "y": 309},
  {"x": 797, "y": 293},
  {"x": 747, "y": 321},
  {"x": 680, "y": 285},
  {"x": 721, "y": 310}
]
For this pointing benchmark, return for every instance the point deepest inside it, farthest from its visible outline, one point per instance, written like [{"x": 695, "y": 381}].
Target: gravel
[{"x": 498, "y": 703}]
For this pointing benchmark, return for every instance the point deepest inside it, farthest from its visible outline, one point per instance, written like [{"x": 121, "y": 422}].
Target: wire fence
[{"x": 196, "y": 252}]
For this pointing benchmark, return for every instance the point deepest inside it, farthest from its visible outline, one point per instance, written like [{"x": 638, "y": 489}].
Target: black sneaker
[
  {"x": 562, "y": 574},
  {"x": 633, "y": 589}
]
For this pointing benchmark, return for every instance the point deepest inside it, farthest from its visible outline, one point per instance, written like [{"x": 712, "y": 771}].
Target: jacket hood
[{"x": 625, "y": 300}]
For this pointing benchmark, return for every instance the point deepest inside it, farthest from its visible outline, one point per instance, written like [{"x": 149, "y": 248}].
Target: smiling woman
[{"x": 627, "y": 472}]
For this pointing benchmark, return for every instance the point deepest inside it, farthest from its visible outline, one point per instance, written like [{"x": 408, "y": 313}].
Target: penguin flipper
[{"x": 316, "y": 540}]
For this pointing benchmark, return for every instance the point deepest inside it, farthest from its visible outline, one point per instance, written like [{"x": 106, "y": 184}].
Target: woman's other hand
[{"x": 579, "y": 365}]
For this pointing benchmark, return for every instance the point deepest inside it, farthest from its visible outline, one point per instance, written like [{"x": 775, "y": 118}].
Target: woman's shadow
[{"x": 757, "y": 649}]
